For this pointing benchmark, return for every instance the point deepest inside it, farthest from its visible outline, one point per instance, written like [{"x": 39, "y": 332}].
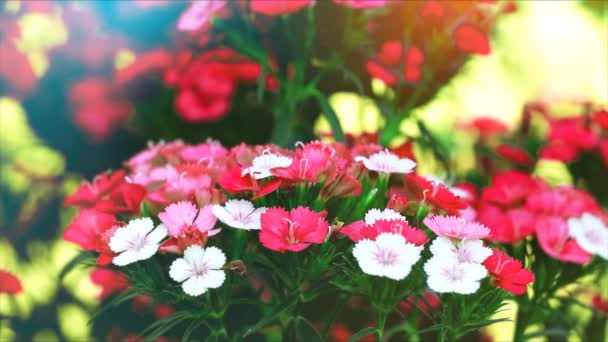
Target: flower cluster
[{"x": 209, "y": 214}]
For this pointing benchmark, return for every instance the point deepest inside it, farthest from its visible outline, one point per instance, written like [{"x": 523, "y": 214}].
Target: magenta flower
[
  {"x": 362, "y": 3},
  {"x": 292, "y": 231},
  {"x": 554, "y": 237},
  {"x": 182, "y": 217},
  {"x": 456, "y": 227},
  {"x": 198, "y": 14}
]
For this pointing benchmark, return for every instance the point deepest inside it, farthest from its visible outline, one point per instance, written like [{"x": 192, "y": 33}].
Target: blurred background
[{"x": 62, "y": 120}]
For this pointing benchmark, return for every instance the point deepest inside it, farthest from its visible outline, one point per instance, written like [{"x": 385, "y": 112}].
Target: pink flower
[
  {"x": 362, "y": 3},
  {"x": 92, "y": 230},
  {"x": 292, "y": 231},
  {"x": 273, "y": 8},
  {"x": 183, "y": 217},
  {"x": 198, "y": 14},
  {"x": 359, "y": 230},
  {"x": 456, "y": 227},
  {"x": 210, "y": 150},
  {"x": 554, "y": 238}
]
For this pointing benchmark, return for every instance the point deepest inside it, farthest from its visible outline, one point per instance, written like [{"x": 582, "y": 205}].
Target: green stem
[{"x": 380, "y": 324}]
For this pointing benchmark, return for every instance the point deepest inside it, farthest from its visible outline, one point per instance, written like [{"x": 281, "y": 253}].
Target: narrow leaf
[
  {"x": 362, "y": 333},
  {"x": 305, "y": 331}
]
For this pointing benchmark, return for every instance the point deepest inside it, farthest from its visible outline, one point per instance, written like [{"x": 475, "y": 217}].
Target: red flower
[
  {"x": 149, "y": 64},
  {"x": 411, "y": 235},
  {"x": 507, "y": 273},
  {"x": 601, "y": 118},
  {"x": 273, "y": 8},
  {"x": 163, "y": 310},
  {"x": 470, "y": 38},
  {"x": 509, "y": 226},
  {"x": 9, "y": 283},
  {"x": 110, "y": 282},
  {"x": 599, "y": 303},
  {"x": 488, "y": 127},
  {"x": 562, "y": 202},
  {"x": 558, "y": 150},
  {"x": 514, "y": 154},
  {"x": 434, "y": 193},
  {"x": 92, "y": 230},
  {"x": 16, "y": 70},
  {"x": 88, "y": 194},
  {"x": 292, "y": 231},
  {"x": 126, "y": 199},
  {"x": 553, "y": 236},
  {"x": 572, "y": 131},
  {"x": 235, "y": 182},
  {"x": 432, "y": 8},
  {"x": 509, "y": 188},
  {"x": 391, "y": 57}
]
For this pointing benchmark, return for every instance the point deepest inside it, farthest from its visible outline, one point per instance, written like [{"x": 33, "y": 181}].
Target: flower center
[{"x": 385, "y": 257}]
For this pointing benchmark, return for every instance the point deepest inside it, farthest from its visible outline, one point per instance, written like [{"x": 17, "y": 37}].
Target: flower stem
[{"x": 380, "y": 324}]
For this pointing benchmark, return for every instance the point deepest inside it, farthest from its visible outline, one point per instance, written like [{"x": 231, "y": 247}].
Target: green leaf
[
  {"x": 331, "y": 116},
  {"x": 362, "y": 333},
  {"x": 77, "y": 260},
  {"x": 162, "y": 326},
  {"x": 121, "y": 298},
  {"x": 305, "y": 331},
  {"x": 145, "y": 210}
]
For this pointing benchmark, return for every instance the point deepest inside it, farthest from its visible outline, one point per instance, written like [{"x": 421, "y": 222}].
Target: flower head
[
  {"x": 181, "y": 217},
  {"x": 590, "y": 233},
  {"x": 292, "y": 231},
  {"x": 554, "y": 238},
  {"x": 387, "y": 162},
  {"x": 198, "y": 14},
  {"x": 465, "y": 251},
  {"x": 387, "y": 214},
  {"x": 91, "y": 230},
  {"x": 388, "y": 256},
  {"x": 138, "y": 240},
  {"x": 273, "y": 8},
  {"x": 456, "y": 227},
  {"x": 239, "y": 214},
  {"x": 262, "y": 165},
  {"x": 200, "y": 269},
  {"x": 508, "y": 273},
  {"x": 449, "y": 275}
]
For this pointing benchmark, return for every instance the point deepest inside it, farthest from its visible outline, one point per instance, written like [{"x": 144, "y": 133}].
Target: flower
[
  {"x": 514, "y": 154},
  {"x": 590, "y": 233},
  {"x": 239, "y": 214},
  {"x": 411, "y": 235},
  {"x": 9, "y": 283},
  {"x": 465, "y": 251},
  {"x": 553, "y": 236},
  {"x": 387, "y": 162},
  {"x": 388, "y": 256},
  {"x": 272, "y": 8},
  {"x": 110, "y": 282},
  {"x": 138, "y": 240},
  {"x": 434, "y": 193},
  {"x": 198, "y": 14},
  {"x": 182, "y": 217},
  {"x": 235, "y": 182},
  {"x": 200, "y": 269},
  {"x": 448, "y": 275},
  {"x": 292, "y": 231},
  {"x": 88, "y": 194},
  {"x": 508, "y": 272},
  {"x": 390, "y": 58},
  {"x": 456, "y": 227},
  {"x": 91, "y": 230},
  {"x": 262, "y": 165},
  {"x": 362, "y": 3},
  {"x": 510, "y": 226},
  {"x": 470, "y": 38},
  {"x": 510, "y": 188},
  {"x": 374, "y": 215}
]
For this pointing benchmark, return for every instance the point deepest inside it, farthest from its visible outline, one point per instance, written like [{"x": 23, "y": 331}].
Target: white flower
[
  {"x": 389, "y": 256},
  {"x": 138, "y": 240},
  {"x": 262, "y": 164},
  {"x": 239, "y": 214},
  {"x": 387, "y": 162},
  {"x": 448, "y": 275},
  {"x": 464, "y": 251},
  {"x": 200, "y": 269},
  {"x": 387, "y": 214},
  {"x": 590, "y": 233}
]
